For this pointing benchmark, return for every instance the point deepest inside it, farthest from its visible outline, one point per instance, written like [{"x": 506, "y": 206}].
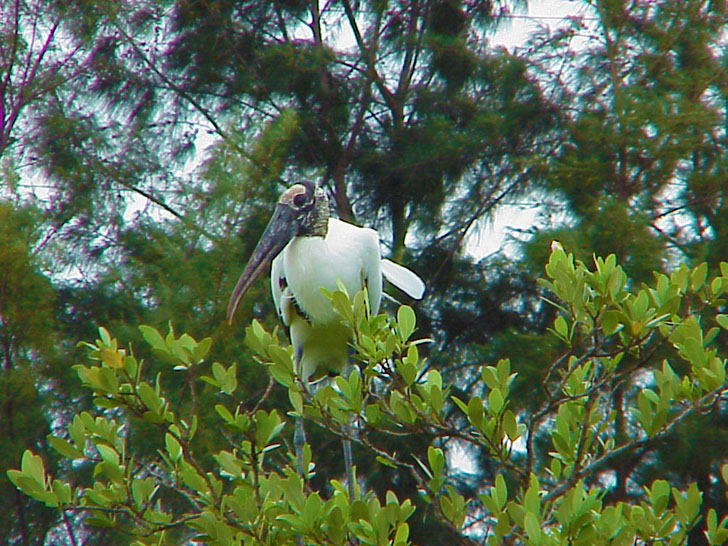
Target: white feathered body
[{"x": 348, "y": 254}]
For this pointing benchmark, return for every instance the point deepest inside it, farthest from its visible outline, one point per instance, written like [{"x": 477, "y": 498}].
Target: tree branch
[{"x": 637, "y": 444}]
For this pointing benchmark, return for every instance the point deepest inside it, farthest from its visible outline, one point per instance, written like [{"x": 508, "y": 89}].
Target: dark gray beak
[{"x": 280, "y": 230}]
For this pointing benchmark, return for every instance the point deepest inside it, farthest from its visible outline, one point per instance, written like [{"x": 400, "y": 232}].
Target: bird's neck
[{"x": 318, "y": 223}]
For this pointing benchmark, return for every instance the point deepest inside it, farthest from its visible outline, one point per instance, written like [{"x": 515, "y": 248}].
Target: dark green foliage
[
  {"x": 29, "y": 366},
  {"x": 638, "y": 169}
]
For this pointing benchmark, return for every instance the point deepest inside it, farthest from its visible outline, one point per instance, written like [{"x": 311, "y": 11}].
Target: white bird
[{"x": 309, "y": 251}]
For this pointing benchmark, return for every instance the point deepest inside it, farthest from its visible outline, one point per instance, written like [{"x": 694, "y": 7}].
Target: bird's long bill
[{"x": 280, "y": 230}]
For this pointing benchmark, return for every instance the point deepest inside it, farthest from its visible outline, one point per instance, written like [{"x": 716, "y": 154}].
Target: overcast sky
[
  {"x": 514, "y": 217},
  {"x": 540, "y": 12}
]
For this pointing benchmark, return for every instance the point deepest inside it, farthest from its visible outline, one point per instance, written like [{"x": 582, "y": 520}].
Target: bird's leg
[
  {"x": 348, "y": 463},
  {"x": 299, "y": 436},
  {"x": 349, "y": 430},
  {"x": 348, "y": 460},
  {"x": 299, "y": 439}
]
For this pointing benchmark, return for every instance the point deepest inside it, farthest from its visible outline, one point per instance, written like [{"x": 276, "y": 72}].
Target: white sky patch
[
  {"x": 510, "y": 221},
  {"x": 541, "y": 13},
  {"x": 460, "y": 456},
  {"x": 491, "y": 236}
]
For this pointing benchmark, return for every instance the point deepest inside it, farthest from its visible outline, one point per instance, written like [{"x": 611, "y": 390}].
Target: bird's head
[
  {"x": 305, "y": 207},
  {"x": 302, "y": 211}
]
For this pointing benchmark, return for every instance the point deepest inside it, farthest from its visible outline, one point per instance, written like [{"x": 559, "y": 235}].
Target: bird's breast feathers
[{"x": 348, "y": 253}]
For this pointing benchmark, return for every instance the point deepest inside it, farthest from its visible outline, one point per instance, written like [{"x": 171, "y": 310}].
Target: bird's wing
[
  {"x": 372, "y": 274},
  {"x": 404, "y": 279},
  {"x": 279, "y": 289}
]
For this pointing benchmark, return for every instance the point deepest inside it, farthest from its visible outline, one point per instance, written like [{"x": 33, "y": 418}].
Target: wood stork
[{"x": 309, "y": 250}]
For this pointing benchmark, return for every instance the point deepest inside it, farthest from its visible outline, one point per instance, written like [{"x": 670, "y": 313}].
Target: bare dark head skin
[{"x": 302, "y": 210}]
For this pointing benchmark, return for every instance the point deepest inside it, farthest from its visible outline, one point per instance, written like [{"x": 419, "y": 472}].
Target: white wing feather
[
  {"x": 404, "y": 279},
  {"x": 281, "y": 297}
]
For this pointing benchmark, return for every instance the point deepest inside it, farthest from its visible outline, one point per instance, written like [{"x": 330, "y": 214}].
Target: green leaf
[
  {"x": 201, "y": 349},
  {"x": 112, "y": 358},
  {"x": 341, "y": 304},
  {"x": 436, "y": 458},
  {"x": 490, "y": 377},
  {"x": 149, "y": 397},
  {"x": 475, "y": 410},
  {"x": 659, "y": 495},
  {"x": 142, "y": 490},
  {"x": 533, "y": 528},
  {"x": 192, "y": 479},
  {"x": 311, "y": 509},
  {"x": 407, "y": 371},
  {"x": 257, "y": 338},
  {"x": 436, "y": 399},
  {"x": 268, "y": 425},
  {"x": 296, "y": 399},
  {"x": 223, "y": 412},
  {"x": 401, "y": 535},
  {"x": 611, "y": 322},
  {"x": 62, "y": 492},
  {"x": 505, "y": 377},
  {"x": 281, "y": 357},
  {"x": 722, "y": 321},
  {"x": 500, "y": 492},
  {"x": 372, "y": 414},
  {"x": 174, "y": 449},
  {"x": 698, "y": 276},
  {"x": 405, "y": 322},
  {"x": 225, "y": 379},
  {"x": 229, "y": 463},
  {"x": 292, "y": 488},
  {"x": 692, "y": 349},
  {"x": 76, "y": 431},
  {"x": 108, "y": 454},
  {"x": 716, "y": 286},
  {"x": 385, "y": 462},
  {"x": 717, "y": 534},
  {"x": 99, "y": 520},
  {"x": 555, "y": 469},
  {"x": 104, "y": 335},
  {"x": 153, "y": 337},
  {"x": 32, "y": 466},
  {"x": 532, "y": 500},
  {"x": 495, "y": 402},
  {"x": 401, "y": 408},
  {"x": 64, "y": 447},
  {"x": 561, "y": 328},
  {"x": 459, "y": 403},
  {"x": 510, "y": 426},
  {"x": 131, "y": 366}
]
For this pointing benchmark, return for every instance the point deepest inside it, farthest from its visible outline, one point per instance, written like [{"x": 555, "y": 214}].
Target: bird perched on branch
[{"x": 309, "y": 251}]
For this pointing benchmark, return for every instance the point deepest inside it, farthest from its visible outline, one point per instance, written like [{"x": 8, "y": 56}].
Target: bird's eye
[{"x": 300, "y": 200}]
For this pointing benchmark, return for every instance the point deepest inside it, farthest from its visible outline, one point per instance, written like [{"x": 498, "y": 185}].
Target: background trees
[
  {"x": 639, "y": 171},
  {"x": 117, "y": 213}
]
